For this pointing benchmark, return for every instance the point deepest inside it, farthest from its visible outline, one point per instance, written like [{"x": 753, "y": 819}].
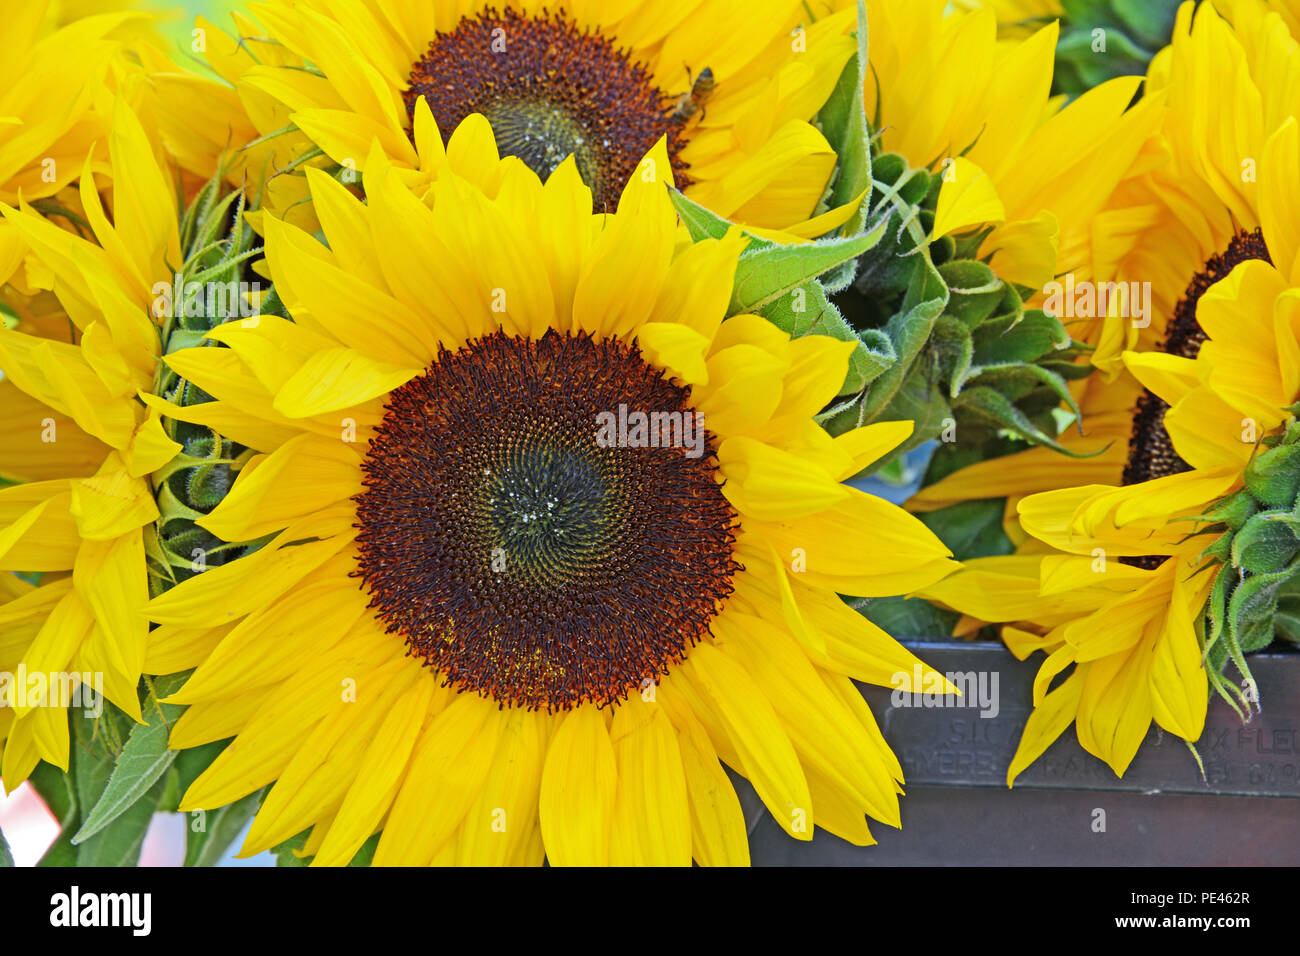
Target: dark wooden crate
[{"x": 959, "y": 811}]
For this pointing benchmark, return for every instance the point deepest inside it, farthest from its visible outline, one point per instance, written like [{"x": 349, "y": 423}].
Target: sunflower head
[
  {"x": 530, "y": 575},
  {"x": 577, "y": 534},
  {"x": 739, "y": 117}
]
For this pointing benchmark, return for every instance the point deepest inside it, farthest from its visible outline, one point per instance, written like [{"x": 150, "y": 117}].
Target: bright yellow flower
[
  {"x": 82, "y": 444},
  {"x": 1108, "y": 582},
  {"x": 42, "y": 147},
  {"x": 482, "y": 627},
  {"x": 602, "y": 82},
  {"x": 1197, "y": 184},
  {"x": 947, "y": 95}
]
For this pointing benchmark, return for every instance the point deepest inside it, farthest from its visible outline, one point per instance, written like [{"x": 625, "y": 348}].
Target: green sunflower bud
[
  {"x": 211, "y": 286},
  {"x": 1265, "y": 544},
  {"x": 970, "y": 365},
  {"x": 1256, "y": 592},
  {"x": 1273, "y": 476}
]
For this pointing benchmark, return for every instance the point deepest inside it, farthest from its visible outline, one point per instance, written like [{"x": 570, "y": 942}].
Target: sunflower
[
  {"x": 499, "y": 619},
  {"x": 1180, "y": 218},
  {"x": 208, "y": 123},
  {"x": 733, "y": 92},
  {"x": 1022, "y": 174},
  {"x": 1112, "y": 582},
  {"x": 1192, "y": 193},
  {"x": 82, "y": 446},
  {"x": 993, "y": 184}
]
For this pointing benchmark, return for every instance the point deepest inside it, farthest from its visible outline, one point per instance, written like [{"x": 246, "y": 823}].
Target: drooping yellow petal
[
  {"x": 1046, "y": 723},
  {"x": 764, "y": 748}
]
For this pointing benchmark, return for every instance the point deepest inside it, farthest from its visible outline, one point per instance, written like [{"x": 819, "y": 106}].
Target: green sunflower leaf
[
  {"x": 1132, "y": 30},
  {"x": 57, "y": 789},
  {"x": 702, "y": 223},
  {"x": 119, "y": 843},
  {"x": 91, "y": 764},
  {"x": 764, "y": 275},
  {"x": 990, "y": 406},
  {"x": 6, "y": 858},
  {"x": 96, "y": 742},
  {"x": 908, "y": 617},
  {"x": 143, "y": 761}
]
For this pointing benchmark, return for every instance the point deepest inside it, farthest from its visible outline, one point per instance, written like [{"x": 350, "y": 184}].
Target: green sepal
[
  {"x": 1273, "y": 477},
  {"x": 974, "y": 289},
  {"x": 1266, "y": 543}
]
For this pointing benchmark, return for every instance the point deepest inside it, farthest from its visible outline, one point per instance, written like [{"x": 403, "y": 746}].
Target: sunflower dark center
[
  {"x": 1150, "y": 452},
  {"x": 520, "y": 552},
  {"x": 550, "y": 90}
]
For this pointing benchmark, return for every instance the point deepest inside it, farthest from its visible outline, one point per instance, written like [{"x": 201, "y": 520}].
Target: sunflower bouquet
[{"x": 444, "y": 434}]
